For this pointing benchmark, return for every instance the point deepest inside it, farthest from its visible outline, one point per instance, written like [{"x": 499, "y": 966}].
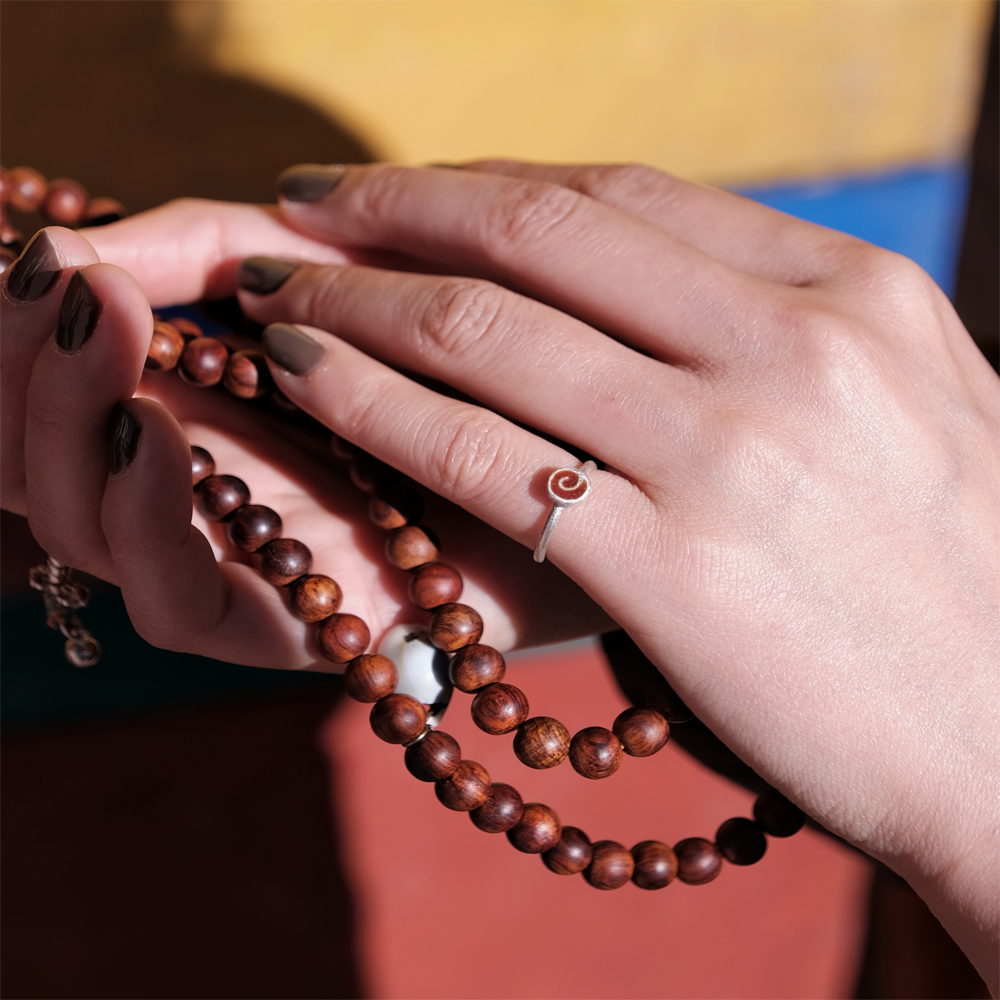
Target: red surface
[{"x": 445, "y": 910}]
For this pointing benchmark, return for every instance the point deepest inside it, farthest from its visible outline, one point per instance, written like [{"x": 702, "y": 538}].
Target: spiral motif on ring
[{"x": 568, "y": 485}]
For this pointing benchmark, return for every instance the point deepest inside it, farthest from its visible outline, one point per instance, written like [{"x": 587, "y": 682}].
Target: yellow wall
[{"x": 720, "y": 91}]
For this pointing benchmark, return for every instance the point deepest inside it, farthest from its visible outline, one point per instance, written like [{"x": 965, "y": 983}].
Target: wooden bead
[
  {"x": 343, "y": 637},
  {"x": 409, "y": 547},
  {"x": 253, "y": 526},
  {"x": 655, "y": 865},
  {"x": 64, "y": 203},
  {"x": 642, "y": 731},
  {"x": 102, "y": 211},
  {"x": 499, "y": 708},
  {"x": 343, "y": 448},
  {"x": 537, "y": 831},
  {"x": 434, "y": 758},
  {"x": 435, "y": 584},
  {"x": 284, "y": 560},
  {"x": 395, "y": 505},
  {"x": 595, "y": 752},
  {"x": 187, "y": 328},
  {"x": 217, "y": 497},
  {"x": 203, "y": 362},
  {"x": 246, "y": 375},
  {"x": 202, "y": 465},
  {"x": 370, "y": 677},
  {"x": 27, "y": 189},
  {"x": 698, "y": 860},
  {"x": 369, "y": 473},
  {"x": 397, "y": 718},
  {"x": 501, "y": 811},
  {"x": 165, "y": 348},
  {"x": 453, "y": 626},
  {"x": 611, "y": 866},
  {"x": 741, "y": 841},
  {"x": 314, "y": 597},
  {"x": 474, "y": 666},
  {"x": 571, "y": 854},
  {"x": 542, "y": 742},
  {"x": 466, "y": 789},
  {"x": 776, "y": 815}
]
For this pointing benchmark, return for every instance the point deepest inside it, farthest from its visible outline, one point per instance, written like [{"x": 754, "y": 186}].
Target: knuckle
[
  {"x": 377, "y": 195},
  {"x": 635, "y": 183},
  {"x": 458, "y": 316},
  {"x": 466, "y": 454},
  {"x": 530, "y": 211}
]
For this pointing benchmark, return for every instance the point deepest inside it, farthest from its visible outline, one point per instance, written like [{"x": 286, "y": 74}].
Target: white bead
[{"x": 422, "y": 668}]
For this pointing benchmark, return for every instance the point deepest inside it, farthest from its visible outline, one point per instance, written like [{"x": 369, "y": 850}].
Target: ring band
[{"x": 567, "y": 488}]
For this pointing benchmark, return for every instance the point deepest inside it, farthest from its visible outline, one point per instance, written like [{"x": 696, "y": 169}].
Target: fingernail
[
  {"x": 309, "y": 181},
  {"x": 124, "y": 432},
  {"x": 35, "y": 271},
  {"x": 288, "y": 346},
  {"x": 263, "y": 275},
  {"x": 78, "y": 315}
]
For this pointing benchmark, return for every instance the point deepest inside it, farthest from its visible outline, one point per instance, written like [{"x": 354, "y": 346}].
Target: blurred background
[{"x": 174, "y": 827}]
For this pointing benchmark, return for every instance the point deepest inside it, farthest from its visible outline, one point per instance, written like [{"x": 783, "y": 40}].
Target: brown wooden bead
[
  {"x": 538, "y": 830},
  {"x": 499, "y": 708},
  {"x": 343, "y": 637},
  {"x": 102, "y": 211},
  {"x": 343, "y": 448},
  {"x": 741, "y": 841},
  {"x": 218, "y": 496},
  {"x": 466, "y": 789},
  {"x": 369, "y": 473},
  {"x": 370, "y": 677},
  {"x": 165, "y": 348},
  {"x": 595, "y": 752},
  {"x": 314, "y": 597},
  {"x": 27, "y": 189},
  {"x": 453, "y": 626},
  {"x": 395, "y": 505},
  {"x": 284, "y": 560},
  {"x": 642, "y": 731},
  {"x": 434, "y": 758},
  {"x": 187, "y": 328},
  {"x": 698, "y": 860},
  {"x": 655, "y": 865},
  {"x": 571, "y": 854},
  {"x": 203, "y": 362},
  {"x": 409, "y": 547},
  {"x": 435, "y": 584},
  {"x": 541, "y": 742},
  {"x": 776, "y": 815},
  {"x": 474, "y": 666},
  {"x": 501, "y": 811},
  {"x": 202, "y": 465},
  {"x": 253, "y": 526},
  {"x": 611, "y": 866},
  {"x": 64, "y": 202},
  {"x": 397, "y": 718},
  {"x": 247, "y": 375}
]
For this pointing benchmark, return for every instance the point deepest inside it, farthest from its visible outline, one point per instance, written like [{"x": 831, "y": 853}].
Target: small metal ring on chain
[{"x": 567, "y": 488}]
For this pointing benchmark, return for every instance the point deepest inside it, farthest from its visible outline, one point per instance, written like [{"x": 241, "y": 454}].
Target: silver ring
[{"x": 567, "y": 488}]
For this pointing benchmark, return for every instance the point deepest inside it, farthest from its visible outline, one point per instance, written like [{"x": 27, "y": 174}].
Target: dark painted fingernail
[
  {"x": 124, "y": 432},
  {"x": 288, "y": 346},
  {"x": 78, "y": 315},
  {"x": 35, "y": 271},
  {"x": 263, "y": 275},
  {"x": 309, "y": 181}
]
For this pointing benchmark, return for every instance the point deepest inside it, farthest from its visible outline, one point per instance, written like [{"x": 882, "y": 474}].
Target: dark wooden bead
[
  {"x": 541, "y": 742},
  {"x": 370, "y": 677},
  {"x": 314, "y": 597},
  {"x": 595, "y": 752},
  {"x": 247, "y": 375},
  {"x": 397, "y": 718},
  {"x": 202, "y": 465},
  {"x": 283, "y": 560},
  {"x": 434, "y": 758},
  {"x": 499, "y": 708},
  {"x": 435, "y": 584},
  {"x": 203, "y": 361},
  {"x": 538, "y": 830},
  {"x": 253, "y": 526},
  {"x": 343, "y": 637},
  {"x": 466, "y": 789},
  {"x": 642, "y": 731},
  {"x": 187, "y": 328},
  {"x": 165, "y": 348},
  {"x": 453, "y": 626},
  {"x": 776, "y": 815},
  {"x": 655, "y": 865},
  {"x": 698, "y": 860},
  {"x": 501, "y": 811},
  {"x": 369, "y": 473},
  {"x": 27, "y": 189},
  {"x": 474, "y": 666},
  {"x": 218, "y": 496},
  {"x": 343, "y": 448},
  {"x": 571, "y": 854},
  {"x": 410, "y": 547},
  {"x": 281, "y": 402},
  {"x": 395, "y": 505},
  {"x": 102, "y": 211},
  {"x": 64, "y": 202},
  {"x": 741, "y": 841},
  {"x": 611, "y": 866}
]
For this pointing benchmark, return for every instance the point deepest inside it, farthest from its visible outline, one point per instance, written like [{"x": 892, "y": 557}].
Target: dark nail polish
[
  {"x": 263, "y": 275},
  {"x": 288, "y": 346},
  {"x": 309, "y": 182},
  {"x": 78, "y": 315},
  {"x": 35, "y": 271},
  {"x": 124, "y": 432}
]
